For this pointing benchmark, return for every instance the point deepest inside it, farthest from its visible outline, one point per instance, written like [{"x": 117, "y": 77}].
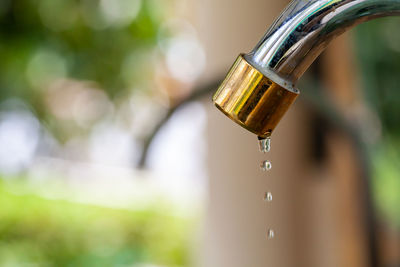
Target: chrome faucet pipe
[
  {"x": 304, "y": 30},
  {"x": 261, "y": 85}
]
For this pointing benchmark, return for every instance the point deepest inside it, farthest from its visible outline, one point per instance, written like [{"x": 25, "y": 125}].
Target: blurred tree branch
[{"x": 198, "y": 93}]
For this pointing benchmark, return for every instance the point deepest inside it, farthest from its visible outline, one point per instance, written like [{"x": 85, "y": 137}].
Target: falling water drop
[
  {"x": 266, "y": 165},
  {"x": 268, "y": 197},
  {"x": 270, "y": 234},
  {"x": 265, "y": 144}
]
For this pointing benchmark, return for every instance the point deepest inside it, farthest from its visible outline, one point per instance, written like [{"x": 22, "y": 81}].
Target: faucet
[{"x": 261, "y": 85}]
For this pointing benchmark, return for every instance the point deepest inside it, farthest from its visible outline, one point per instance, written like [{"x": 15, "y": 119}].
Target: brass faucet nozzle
[{"x": 251, "y": 99}]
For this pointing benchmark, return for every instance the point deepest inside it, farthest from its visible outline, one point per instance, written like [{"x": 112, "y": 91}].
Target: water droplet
[
  {"x": 265, "y": 144},
  {"x": 268, "y": 196},
  {"x": 270, "y": 234},
  {"x": 266, "y": 165}
]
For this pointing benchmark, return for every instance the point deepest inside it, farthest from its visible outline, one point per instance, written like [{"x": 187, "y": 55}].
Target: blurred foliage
[
  {"x": 378, "y": 51},
  {"x": 40, "y": 232},
  {"x": 107, "y": 42},
  {"x": 386, "y": 180},
  {"x": 53, "y": 52}
]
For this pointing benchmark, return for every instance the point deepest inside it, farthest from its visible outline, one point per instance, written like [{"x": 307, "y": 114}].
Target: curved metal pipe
[
  {"x": 260, "y": 87},
  {"x": 304, "y": 30}
]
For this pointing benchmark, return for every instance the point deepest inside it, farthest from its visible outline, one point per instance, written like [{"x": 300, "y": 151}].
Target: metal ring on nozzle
[{"x": 251, "y": 99}]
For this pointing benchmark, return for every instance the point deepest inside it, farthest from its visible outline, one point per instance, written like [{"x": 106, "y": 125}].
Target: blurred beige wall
[
  {"x": 238, "y": 218},
  {"x": 229, "y": 27}
]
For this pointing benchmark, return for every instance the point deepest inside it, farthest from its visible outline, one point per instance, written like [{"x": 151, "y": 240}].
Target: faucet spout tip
[{"x": 253, "y": 100}]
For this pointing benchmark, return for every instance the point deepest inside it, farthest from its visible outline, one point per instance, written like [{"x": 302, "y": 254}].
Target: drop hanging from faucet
[{"x": 264, "y": 144}]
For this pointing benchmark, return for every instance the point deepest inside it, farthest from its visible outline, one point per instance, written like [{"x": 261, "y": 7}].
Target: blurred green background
[
  {"x": 72, "y": 75},
  {"x": 101, "y": 48},
  {"x": 377, "y": 47},
  {"x": 39, "y": 232}
]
